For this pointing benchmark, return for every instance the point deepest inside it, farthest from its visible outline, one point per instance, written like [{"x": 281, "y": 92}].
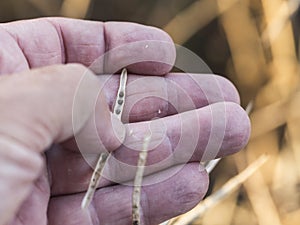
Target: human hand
[{"x": 36, "y": 111}]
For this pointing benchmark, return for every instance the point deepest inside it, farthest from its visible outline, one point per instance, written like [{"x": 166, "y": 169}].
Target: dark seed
[
  {"x": 118, "y": 111},
  {"x": 121, "y": 94},
  {"x": 120, "y": 102}
]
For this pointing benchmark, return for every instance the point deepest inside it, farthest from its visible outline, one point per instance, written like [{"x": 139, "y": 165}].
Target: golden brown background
[{"x": 254, "y": 43}]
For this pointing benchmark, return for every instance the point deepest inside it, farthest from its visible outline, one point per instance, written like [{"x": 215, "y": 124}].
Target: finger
[
  {"x": 168, "y": 194},
  {"x": 47, "y": 41},
  {"x": 199, "y": 135},
  {"x": 213, "y": 131},
  {"x": 157, "y": 97}
]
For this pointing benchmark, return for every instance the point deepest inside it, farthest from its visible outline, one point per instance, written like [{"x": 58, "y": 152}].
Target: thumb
[{"x": 37, "y": 109}]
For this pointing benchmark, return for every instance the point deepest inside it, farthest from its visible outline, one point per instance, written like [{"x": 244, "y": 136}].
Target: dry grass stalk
[
  {"x": 292, "y": 218},
  {"x": 225, "y": 209},
  {"x": 247, "y": 53},
  {"x": 118, "y": 109},
  {"x": 283, "y": 73},
  {"x": 75, "y": 8},
  {"x": 263, "y": 123},
  {"x": 293, "y": 134},
  {"x": 277, "y": 24},
  {"x": 48, "y": 8},
  {"x": 284, "y": 65},
  {"x": 197, "y": 15},
  {"x": 136, "y": 195},
  {"x": 273, "y": 99},
  {"x": 285, "y": 181},
  {"x": 259, "y": 194},
  {"x": 220, "y": 194}
]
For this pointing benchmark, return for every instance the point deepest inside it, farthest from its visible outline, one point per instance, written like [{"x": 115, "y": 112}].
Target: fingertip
[
  {"x": 177, "y": 195},
  {"x": 226, "y": 130},
  {"x": 166, "y": 52},
  {"x": 216, "y": 88},
  {"x": 238, "y": 129},
  {"x": 229, "y": 91},
  {"x": 141, "y": 49}
]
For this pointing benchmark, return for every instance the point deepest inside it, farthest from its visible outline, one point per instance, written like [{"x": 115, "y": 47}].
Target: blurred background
[{"x": 255, "y": 44}]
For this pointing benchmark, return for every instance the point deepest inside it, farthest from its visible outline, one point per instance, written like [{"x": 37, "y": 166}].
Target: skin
[{"x": 43, "y": 174}]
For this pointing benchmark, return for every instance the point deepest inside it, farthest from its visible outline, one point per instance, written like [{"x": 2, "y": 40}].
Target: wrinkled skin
[{"x": 42, "y": 172}]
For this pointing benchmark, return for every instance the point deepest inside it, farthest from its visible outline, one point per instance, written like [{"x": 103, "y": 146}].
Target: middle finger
[{"x": 151, "y": 97}]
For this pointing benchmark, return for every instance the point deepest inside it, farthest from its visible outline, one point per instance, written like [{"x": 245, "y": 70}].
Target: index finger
[{"x": 40, "y": 42}]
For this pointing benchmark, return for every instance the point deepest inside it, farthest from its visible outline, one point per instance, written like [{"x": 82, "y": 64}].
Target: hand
[{"x": 43, "y": 173}]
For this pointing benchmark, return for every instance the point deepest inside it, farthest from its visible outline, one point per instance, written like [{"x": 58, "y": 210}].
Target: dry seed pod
[
  {"x": 118, "y": 109},
  {"x": 136, "y": 195}
]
